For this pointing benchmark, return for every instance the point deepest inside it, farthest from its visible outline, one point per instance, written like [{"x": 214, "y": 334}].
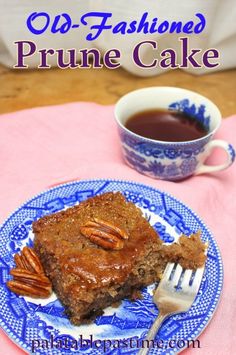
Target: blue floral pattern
[
  {"x": 231, "y": 152},
  {"x": 199, "y": 113},
  {"x": 166, "y": 160},
  {"x": 19, "y": 232},
  {"x": 172, "y": 153},
  {"x": 188, "y": 166},
  {"x": 156, "y": 168},
  {"x": 160, "y": 168},
  {"x": 161, "y": 229}
]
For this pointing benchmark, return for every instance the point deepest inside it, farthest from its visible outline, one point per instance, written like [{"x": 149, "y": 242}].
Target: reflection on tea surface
[{"x": 163, "y": 125}]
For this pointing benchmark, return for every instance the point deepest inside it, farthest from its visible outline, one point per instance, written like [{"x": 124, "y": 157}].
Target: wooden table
[{"x": 30, "y": 88}]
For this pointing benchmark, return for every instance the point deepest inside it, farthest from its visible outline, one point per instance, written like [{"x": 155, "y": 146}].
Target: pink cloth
[{"x": 46, "y": 146}]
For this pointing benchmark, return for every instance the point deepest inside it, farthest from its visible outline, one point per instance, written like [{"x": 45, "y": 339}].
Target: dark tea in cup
[
  {"x": 167, "y": 132},
  {"x": 164, "y": 125}
]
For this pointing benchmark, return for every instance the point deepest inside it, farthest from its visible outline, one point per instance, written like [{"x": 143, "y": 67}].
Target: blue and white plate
[{"x": 42, "y": 326}]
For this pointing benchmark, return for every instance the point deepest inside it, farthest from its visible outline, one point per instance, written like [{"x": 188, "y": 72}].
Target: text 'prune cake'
[{"x": 102, "y": 251}]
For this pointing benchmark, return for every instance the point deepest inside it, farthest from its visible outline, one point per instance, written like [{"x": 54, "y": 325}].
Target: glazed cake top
[{"x": 60, "y": 236}]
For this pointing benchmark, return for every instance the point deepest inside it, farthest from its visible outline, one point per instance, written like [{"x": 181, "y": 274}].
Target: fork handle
[{"x": 152, "y": 333}]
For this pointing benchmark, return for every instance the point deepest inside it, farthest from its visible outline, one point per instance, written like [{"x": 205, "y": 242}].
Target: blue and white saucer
[{"x": 42, "y": 326}]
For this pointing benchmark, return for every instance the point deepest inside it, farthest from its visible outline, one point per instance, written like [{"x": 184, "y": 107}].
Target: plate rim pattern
[{"x": 216, "y": 301}]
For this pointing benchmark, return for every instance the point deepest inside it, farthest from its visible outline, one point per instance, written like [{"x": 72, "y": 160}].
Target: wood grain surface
[{"x": 30, "y": 88}]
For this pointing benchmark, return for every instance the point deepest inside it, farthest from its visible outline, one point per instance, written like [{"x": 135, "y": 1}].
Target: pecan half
[
  {"x": 28, "y": 260},
  {"x": 23, "y": 289},
  {"x": 29, "y": 278},
  {"x": 104, "y": 234}
]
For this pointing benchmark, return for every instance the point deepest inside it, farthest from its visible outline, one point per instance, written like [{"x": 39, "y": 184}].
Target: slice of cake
[{"x": 102, "y": 251}]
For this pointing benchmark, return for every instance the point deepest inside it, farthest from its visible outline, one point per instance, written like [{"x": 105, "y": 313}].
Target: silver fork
[{"x": 175, "y": 293}]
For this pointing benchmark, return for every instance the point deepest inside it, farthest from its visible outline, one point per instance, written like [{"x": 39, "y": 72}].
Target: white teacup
[{"x": 171, "y": 160}]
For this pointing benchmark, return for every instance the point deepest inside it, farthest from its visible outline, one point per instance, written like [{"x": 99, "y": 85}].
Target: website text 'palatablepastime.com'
[{"x": 104, "y": 345}]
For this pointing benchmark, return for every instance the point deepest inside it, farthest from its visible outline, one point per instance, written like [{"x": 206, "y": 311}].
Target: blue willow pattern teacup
[{"x": 170, "y": 160}]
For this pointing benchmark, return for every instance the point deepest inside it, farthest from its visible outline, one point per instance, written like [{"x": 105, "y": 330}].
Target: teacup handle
[{"x": 228, "y": 148}]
